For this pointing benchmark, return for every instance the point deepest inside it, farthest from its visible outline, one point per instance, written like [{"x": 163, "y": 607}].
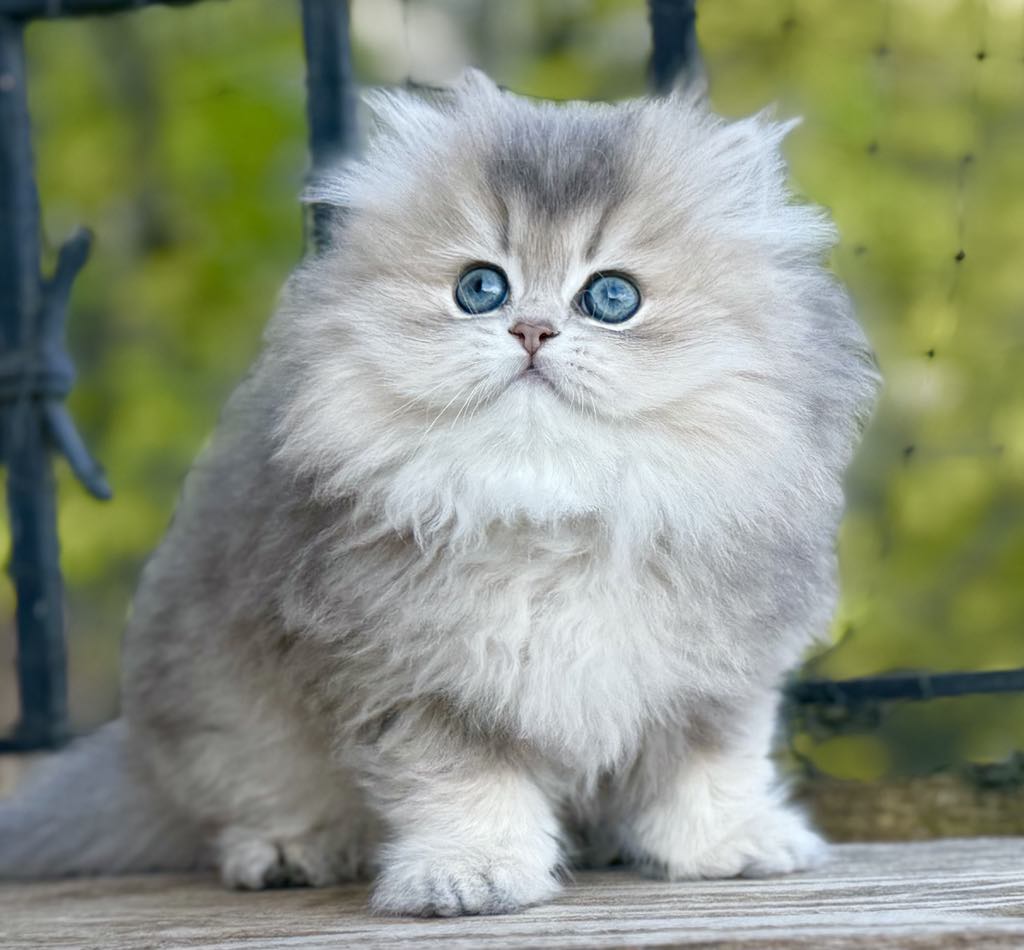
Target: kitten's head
[{"x": 537, "y": 304}]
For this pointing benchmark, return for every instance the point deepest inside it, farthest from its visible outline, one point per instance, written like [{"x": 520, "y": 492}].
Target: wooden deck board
[{"x": 955, "y": 893}]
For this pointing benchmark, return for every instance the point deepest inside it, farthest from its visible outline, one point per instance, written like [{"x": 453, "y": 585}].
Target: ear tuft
[
  {"x": 395, "y": 110},
  {"x": 773, "y": 129},
  {"x": 758, "y": 139}
]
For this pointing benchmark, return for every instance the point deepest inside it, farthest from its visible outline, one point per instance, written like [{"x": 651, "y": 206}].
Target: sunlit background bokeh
[{"x": 179, "y": 135}]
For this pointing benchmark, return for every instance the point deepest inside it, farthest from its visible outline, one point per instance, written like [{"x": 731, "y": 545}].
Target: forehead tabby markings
[
  {"x": 504, "y": 225},
  {"x": 558, "y": 166},
  {"x": 594, "y": 243}
]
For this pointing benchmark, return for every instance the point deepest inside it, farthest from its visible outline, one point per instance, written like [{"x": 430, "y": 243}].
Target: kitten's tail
[{"x": 92, "y": 810}]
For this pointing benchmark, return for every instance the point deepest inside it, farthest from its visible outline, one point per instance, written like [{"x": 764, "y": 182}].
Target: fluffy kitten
[{"x": 460, "y": 594}]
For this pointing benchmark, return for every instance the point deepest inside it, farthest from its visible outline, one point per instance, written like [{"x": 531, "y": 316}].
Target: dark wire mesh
[{"x": 912, "y": 113}]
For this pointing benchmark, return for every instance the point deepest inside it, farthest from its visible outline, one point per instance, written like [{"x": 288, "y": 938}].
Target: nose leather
[{"x": 533, "y": 335}]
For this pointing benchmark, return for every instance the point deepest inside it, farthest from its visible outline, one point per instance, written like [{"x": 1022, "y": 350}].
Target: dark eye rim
[
  {"x": 468, "y": 269},
  {"x": 598, "y": 275}
]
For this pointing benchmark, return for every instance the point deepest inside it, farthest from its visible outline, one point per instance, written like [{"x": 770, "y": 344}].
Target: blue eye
[
  {"x": 481, "y": 289},
  {"x": 609, "y": 298}
]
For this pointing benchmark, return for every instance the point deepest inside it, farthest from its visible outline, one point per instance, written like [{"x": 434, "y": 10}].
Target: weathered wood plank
[{"x": 952, "y": 893}]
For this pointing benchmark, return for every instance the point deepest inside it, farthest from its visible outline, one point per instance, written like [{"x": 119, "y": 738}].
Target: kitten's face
[
  {"x": 542, "y": 202},
  {"x": 515, "y": 270}
]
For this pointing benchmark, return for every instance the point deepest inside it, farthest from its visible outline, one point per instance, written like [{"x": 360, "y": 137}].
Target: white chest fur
[{"x": 555, "y": 639}]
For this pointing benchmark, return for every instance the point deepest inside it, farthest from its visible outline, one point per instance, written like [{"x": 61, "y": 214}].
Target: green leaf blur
[{"x": 179, "y": 137}]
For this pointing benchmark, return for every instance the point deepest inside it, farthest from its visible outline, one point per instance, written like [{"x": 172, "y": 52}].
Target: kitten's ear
[
  {"x": 405, "y": 112},
  {"x": 403, "y": 120},
  {"x": 737, "y": 165},
  {"x": 749, "y": 159}
]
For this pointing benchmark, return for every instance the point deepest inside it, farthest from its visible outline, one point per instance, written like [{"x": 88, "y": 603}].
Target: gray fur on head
[{"x": 418, "y": 613}]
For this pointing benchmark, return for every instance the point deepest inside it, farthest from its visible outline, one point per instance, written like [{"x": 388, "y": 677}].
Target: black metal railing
[
  {"x": 35, "y": 375},
  {"x": 36, "y": 372}
]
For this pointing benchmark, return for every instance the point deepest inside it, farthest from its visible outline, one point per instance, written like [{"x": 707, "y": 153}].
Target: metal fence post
[
  {"x": 35, "y": 375},
  {"x": 30, "y": 489},
  {"x": 675, "y": 55},
  {"x": 330, "y": 96}
]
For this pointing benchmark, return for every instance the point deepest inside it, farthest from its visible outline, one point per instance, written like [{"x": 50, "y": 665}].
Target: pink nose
[{"x": 532, "y": 335}]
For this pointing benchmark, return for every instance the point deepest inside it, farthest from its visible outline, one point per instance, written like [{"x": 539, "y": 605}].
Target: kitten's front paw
[
  {"x": 777, "y": 843},
  {"x": 452, "y": 884}
]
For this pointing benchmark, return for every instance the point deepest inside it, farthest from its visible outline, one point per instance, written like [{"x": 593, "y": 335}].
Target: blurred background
[{"x": 179, "y": 136}]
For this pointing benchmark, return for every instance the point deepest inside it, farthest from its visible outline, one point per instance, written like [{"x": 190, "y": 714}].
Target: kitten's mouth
[{"x": 532, "y": 375}]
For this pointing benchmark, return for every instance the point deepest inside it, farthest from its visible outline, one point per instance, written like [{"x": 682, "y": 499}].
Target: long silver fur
[{"x": 420, "y": 618}]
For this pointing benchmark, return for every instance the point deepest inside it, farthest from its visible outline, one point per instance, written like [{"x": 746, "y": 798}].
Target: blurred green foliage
[{"x": 179, "y": 136}]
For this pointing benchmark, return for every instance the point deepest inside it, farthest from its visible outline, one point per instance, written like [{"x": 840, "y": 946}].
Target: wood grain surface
[{"x": 955, "y": 893}]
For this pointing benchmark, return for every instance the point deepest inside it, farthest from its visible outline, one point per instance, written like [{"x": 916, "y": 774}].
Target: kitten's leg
[
  {"x": 292, "y": 820},
  {"x": 470, "y": 831},
  {"x": 278, "y": 810},
  {"x": 711, "y": 805}
]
